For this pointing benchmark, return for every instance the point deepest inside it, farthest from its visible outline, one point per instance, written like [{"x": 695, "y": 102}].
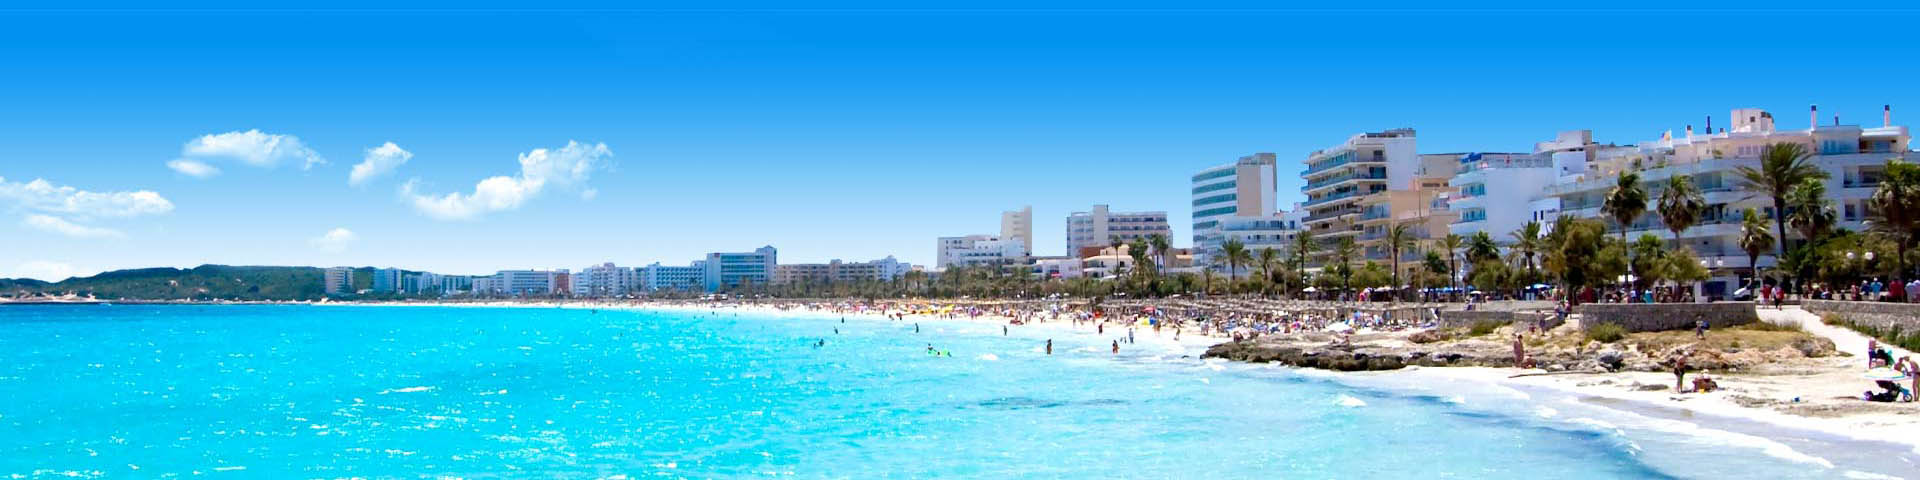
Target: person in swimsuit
[
  {"x": 1049, "y": 346},
  {"x": 1116, "y": 347}
]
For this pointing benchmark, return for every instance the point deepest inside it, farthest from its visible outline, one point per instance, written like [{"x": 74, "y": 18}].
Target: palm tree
[
  {"x": 1896, "y": 215},
  {"x": 1783, "y": 166},
  {"x": 1527, "y": 241},
  {"x": 1451, "y": 243},
  {"x": 1206, "y": 275},
  {"x": 1160, "y": 244},
  {"x": 1680, "y": 206},
  {"x": 1343, "y": 253},
  {"x": 1398, "y": 237},
  {"x": 1236, "y": 255},
  {"x": 1303, "y": 247},
  {"x": 1625, "y": 203},
  {"x": 1754, "y": 238},
  {"x": 1480, "y": 248},
  {"x": 1266, "y": 260},
  {"x": 1809, "y": 212}
]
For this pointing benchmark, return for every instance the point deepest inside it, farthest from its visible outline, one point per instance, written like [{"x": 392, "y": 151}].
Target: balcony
[
  {"x": 1347, "y": 159},
  {"x": 1332, "y": 213},
  {"x": 1342, "y": 178},
  {"x": 1329, "y": 198}
]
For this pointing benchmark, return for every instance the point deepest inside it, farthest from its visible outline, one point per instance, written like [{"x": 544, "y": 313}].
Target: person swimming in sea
[
  {"x": 916, "y": 328},
  {"x": 1003, "y": 330},
  {"x": 1049, "y": 346},
  {"x": 1116, "y": 347}
]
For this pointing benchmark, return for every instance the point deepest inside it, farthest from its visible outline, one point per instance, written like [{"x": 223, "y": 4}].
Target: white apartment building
[
  {"x": 485, "y": 285},
  {"x": 1372, "y": 181},
  {"x": 1275, "y": 232},
  {"x": 1099, "y": 226},
  {"x": 978, "y": 250},
  {"x": 1853, "y": 156},
  {"x": 882, "y": 270},
  {"x": 1057, "y": 267},
  {"x": 527, "y": 282},
  {"x": 605, "y": 279},
  {"x": 337, "y": 280},
  {"x": 1494, "y": 192},
  {"x": 736, "y": 269},
  {"x": 660, "y": 277},
  {"x": 1244, "y": 188},
  {"x": 1018, "y": 225}
]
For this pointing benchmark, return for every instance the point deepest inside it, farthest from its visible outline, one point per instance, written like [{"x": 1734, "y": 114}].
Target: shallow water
[{"x": 315, "y": 391}]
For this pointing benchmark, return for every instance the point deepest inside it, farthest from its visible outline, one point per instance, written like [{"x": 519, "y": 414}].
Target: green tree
[
  {"x": 1452, "y": 243},
  {"x": 1344, "y": 252},
  {"x": 1895, "y": 217},
  {"x": 1528, "y": 242},
  {"x": 1754, "y": 239},
  {"x": 1783, "y": 166},
  {"x": 1161, "y": 244},
  {"x": 1809, "y": 211},
  {"x": 1236, "y": 255},
  {"x": 1680, "y": 206},
  {"x": 1303, "y": 247},
  {"x": 1268, "y": 257},
  {"x": 1399, "y": 237},
  {"x": 1625, "y": 203}
]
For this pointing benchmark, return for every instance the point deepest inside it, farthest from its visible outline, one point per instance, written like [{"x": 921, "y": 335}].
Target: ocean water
[{"x": 345, "y": 391}]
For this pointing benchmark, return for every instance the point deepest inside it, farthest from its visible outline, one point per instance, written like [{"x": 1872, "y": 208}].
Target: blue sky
[{"x": 851, "y": 133}]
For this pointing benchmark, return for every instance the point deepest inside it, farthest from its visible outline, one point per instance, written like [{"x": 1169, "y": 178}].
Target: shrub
[
  {"x": 1607, "y": 333},
  {"x": 1484, "y": 327},
  {"x": 1766, "y": 326}
]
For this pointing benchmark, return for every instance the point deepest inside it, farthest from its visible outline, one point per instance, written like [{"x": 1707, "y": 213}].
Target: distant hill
[{"x": 204, "y": 282}]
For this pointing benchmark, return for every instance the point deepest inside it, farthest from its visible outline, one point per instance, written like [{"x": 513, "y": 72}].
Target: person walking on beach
[
  {"x": 1699, "y": 327},
  {"x": 1679, "y": 361}
]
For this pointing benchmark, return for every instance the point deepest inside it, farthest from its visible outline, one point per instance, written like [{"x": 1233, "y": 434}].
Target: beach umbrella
[{"x": 1884, "y": 373}]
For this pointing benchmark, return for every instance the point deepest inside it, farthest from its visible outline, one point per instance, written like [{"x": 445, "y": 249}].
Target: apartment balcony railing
[
  {"x": 1336, "y": 164},
  {"x": 1375, "y": 214},
  {"x": 1332, "y": 213},
  {"x": 1329, "y": 198},
  {"x": 1341, "y": 178}
]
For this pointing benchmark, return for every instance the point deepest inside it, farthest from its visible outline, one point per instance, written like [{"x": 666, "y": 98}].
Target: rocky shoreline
[{"x": 1394, "y": 352}]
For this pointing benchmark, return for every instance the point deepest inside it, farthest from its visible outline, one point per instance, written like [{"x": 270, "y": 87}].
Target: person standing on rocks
[{"x": 1519, "y": 352}]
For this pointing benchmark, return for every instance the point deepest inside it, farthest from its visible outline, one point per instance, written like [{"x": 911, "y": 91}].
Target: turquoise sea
[{"x": 130, "y": 391}]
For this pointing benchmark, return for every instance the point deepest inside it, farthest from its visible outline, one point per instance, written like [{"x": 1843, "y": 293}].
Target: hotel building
[
  {"x": 386, "y": 280},
  {"x": 660, "y": 277},
  {"x": 1018, "y": 225},
  {"x": 1243, "y": 188},
  {"x": 978, "y": 250},
  {"x": 882, "y": 270},
  {"x": 1098, "y": 227},
  {"x": 605, "y": 280},
  {"x": 337, "y": 280},
  {"x": 1854, "y": 157},
  {"x": 736, "y": 269},
  {"x": 1372, "y": 181}
]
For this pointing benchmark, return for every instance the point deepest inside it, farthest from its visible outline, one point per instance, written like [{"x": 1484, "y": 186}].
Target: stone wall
[
  {"x": 1467, "y": 318},
  {"x": 1881, "y": 315},
  {"x": 1656, "y": 317}
]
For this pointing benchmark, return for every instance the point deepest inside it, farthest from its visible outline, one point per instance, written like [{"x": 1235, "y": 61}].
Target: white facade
[
  {"x": 1244, "y": 188},
  {"x": 605, "y": 280},
  {"x": 1338, "y": 177},
  {"x": 526, "y": 282},
  {"x": 1494, "y": 192},
  {"x": 1275, "y": 232},
  {"x": 1018, "y": 225},
  {"x": 882, "y": 270},
  {"x": 1057, "y": 267},
  {"x": 1099, "y": 226},
  {"x": 737, "y": 269},
  {"x": 978, "y": 250},
  {"x": 1854, "y": 157},
  {"x": 660, "y": 277}
]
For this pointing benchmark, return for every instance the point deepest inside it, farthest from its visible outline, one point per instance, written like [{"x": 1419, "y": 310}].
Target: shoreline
[{"x": 1614, "y": 390}]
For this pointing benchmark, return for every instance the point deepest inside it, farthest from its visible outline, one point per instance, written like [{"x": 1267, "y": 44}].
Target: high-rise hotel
[{"x": 1242, "y": 188}]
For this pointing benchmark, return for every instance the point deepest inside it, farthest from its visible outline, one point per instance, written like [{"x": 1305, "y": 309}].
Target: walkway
[{"x": 1844, "y": 339}]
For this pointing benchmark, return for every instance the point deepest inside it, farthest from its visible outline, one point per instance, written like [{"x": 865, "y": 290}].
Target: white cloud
[
  {"x": 46, "y": 270},
  {"x": 43, "y": 196},
  {"x": 253, "y": 148},
  {"x": 589, "y": 194},
  {"x": 193, "y": 168},
  {"x": 334, "y": 241},
  {"x": 379, "y": 161},
  {"x": 565, "y": 167},
  {"x": 61, "y": 226}
]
